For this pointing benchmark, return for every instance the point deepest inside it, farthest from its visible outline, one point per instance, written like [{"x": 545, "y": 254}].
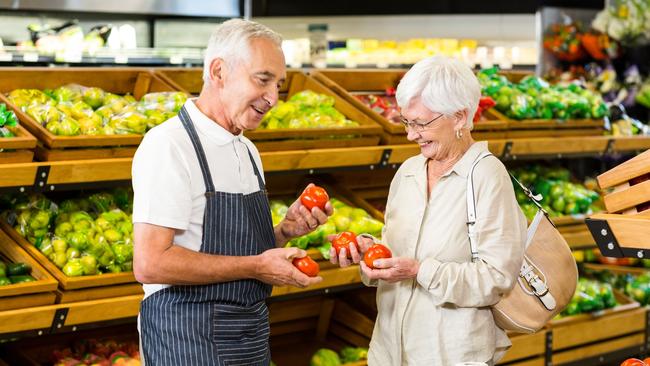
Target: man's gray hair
[
  {"x": 230, "y": 41},
  {"x": 445, "y": 85}
]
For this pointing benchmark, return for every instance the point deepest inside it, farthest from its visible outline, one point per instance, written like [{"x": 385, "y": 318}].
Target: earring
[{"x": 459, "y": 134}]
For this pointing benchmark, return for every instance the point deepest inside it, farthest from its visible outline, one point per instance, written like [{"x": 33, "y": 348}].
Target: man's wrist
[{"x": 281, "y": 237}]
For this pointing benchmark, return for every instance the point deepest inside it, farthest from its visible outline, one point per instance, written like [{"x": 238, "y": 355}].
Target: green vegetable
[
  {"x": 325, "y": 357},
  {"x": 352, "y": 354},
  {"x": 73, "y": 268},
  {"x": 4, "y": 281},
  {"x": 16, "y": 269},
  {"x": 21, "y": 279}
]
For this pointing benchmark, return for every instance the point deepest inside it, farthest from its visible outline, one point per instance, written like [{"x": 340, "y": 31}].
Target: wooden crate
[
  {"x": 36, "y": 293},
  {"x": 588, "y": 330},
  {"x": 526, "y": 347},
  {"x": 366, "y": 134},
  {"x": 39, "y": 351},
  {"x": 135, "y": 81},
  {"x": 349, "y": 83},
  {"x": 623, "y": 302},
  {"x": 18, "y": 149},
  {"x": 300, "y": 327},
  {"x": 550, "y": 128},
  {"x": 65, "y": 282}
]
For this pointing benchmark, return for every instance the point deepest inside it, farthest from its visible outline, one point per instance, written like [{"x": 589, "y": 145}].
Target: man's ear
[
  {"x": 460, "y": 119},
  {"x": 217, "y": 69}
]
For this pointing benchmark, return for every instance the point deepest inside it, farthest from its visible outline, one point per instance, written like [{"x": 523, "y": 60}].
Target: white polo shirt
[{"x": 167, "y": 180}]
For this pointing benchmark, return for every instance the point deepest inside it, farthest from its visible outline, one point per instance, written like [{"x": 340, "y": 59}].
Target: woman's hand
[
  {"x": 357, "y": 255},
  {"x": 392, "y": 269}
]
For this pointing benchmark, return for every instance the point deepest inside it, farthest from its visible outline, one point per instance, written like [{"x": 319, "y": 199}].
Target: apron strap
[
  {"x": 198, "y": 148},
  {"x": 260, "y": 181}
]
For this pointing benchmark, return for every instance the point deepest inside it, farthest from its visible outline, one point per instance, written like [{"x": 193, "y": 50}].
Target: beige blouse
[{"x": 443, "y": 316}]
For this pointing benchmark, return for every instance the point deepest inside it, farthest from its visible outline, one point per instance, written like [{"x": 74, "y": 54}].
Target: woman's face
[{"x": 438, "y": 138}]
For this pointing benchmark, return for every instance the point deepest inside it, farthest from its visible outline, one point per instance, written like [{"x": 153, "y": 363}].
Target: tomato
[
  {"x": 375, "y": 252},
  {"x": 307, "y": 266},
  {"x": 633, "y": 362},
  {"x": 343, "y": 240},
  {"x": 314, "y": 196},
  {"x": 646, "y": 360}
]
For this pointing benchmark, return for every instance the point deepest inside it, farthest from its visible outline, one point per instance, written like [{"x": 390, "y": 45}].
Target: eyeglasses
[{"x": 417, "y": 127}]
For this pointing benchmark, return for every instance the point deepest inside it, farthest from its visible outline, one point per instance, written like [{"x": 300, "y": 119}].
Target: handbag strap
[
  {"x": 526, "y": 272},
  {"x": 471, "y": 207}
]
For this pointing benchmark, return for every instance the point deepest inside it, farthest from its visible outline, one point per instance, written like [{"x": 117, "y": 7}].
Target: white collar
[{"x": 217, "y": 134}]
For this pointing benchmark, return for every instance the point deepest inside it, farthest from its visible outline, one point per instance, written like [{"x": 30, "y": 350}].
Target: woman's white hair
[
  {"x": 445, "y": 85},
  {"x": 230, "y": 41}
]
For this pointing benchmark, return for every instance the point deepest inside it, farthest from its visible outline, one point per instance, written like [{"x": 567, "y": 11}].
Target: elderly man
[{"x": 205, "y": 247}]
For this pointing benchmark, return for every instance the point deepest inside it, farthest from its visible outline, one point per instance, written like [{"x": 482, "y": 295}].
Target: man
[{"x": 205, "y": 247}]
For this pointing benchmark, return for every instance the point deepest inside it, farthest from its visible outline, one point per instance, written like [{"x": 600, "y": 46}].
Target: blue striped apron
[{"x": 223, "y": 323}]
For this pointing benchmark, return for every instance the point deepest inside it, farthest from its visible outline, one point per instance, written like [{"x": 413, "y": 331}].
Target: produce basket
[
  {"x": 367, "y": 133},
  {"x": 65, "y": 282},
  {"x": 27, "y": 294},
  {"x": 350, "y": 85},
  {"x": 120, "y": 81},
  {"x": 45, "y": 349},
  {"x": 301, "y": 327},
  {"x": 18, "y": 149}
]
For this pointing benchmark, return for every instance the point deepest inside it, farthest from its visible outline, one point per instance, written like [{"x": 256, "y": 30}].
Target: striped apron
[{"x": 222, "y": 323}]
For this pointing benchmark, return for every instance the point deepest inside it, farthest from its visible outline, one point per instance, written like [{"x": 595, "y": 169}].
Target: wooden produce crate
[
  {"x": 623, "y": 303},
  {"x": 527, "y": 349},
  {"x": 625, "y": 230},
  {"x": 301, "y": 327},
  {"x": 588, "y": 336},
  {"x": 366, "y": 134},
  {"x": 120, "y": 283},
  {"x": 39, "y": 351},
  {"x": 36, "y": 293},
  {"x": 350, "y": 83},
  {"x": 550, "y": 128},
  {"x": 134, "y": 81},
  {"x": 18, "y": 149}
]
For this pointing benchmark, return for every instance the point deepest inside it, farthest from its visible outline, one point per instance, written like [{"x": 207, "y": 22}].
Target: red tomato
[
  {"x": 375, "y": 252},
  {"x": 646, "y": 360},
  {"x": 633, "y": 362},
  {"x": 343, "y": 240},
  {"x": 314, "y": 196},
  {"x": 307, "y": 266}
]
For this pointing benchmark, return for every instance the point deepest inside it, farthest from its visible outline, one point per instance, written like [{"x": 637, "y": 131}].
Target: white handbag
[{"x": 548, "y": 276}]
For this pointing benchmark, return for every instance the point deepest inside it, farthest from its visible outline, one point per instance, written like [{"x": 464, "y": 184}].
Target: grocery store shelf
[{"x": 59, "y": 174}]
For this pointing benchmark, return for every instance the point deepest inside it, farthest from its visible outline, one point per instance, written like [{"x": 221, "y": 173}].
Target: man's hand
[
  {"x": 342, "y": 258},
  {"x": 392, "y": 269},
  {"x": 275, "y": 268},
  {"x": 300, "y": 221}
]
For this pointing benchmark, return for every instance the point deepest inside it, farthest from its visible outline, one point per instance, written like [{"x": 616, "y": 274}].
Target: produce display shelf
[
  {"x": 17, "y": 149},
  {"x": 367, "y": 157},
  {"x": 61, "y": 317}
]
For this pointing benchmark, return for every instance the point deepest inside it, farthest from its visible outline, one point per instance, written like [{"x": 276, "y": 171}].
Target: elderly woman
[{"x": 433, "y": 301}]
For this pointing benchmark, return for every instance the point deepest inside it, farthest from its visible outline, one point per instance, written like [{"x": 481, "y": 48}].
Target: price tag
[
  {"x": 176, "y": 59},
  {"x": 6, "y": 57},
  {"x": 72, "y": 57},
  {"x": 121, "y": 59},
  {"x": 30, "y": 57}
]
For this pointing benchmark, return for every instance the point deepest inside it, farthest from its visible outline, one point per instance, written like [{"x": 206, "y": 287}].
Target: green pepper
[
  {"x": 16, "y": 269},
  {"x": 73, "y": 268},
  {"x": 123, "y": 253},
  {"x": 4, "y": 281},
  {"x": 353, "y": 354},
  {"x": 21, "y": 279},
  {"x": 89, "y": 264}
]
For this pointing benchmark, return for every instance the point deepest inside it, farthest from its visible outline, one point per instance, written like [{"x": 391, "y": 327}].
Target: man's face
[{"x": 251, "y": 85}]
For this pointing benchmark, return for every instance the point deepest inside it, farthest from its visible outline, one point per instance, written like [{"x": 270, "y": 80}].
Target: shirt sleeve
[
  {"x": 394, "y": 185},
  {"x": 161, "y": 183},
  {"x": 501, "y": 229}
]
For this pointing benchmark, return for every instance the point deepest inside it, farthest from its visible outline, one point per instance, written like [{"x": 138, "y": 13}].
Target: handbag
[{"x": 548, "y": 276}]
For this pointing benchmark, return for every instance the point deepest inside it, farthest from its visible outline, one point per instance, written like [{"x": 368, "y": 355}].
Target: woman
[{"x": 433, "y": 301}]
